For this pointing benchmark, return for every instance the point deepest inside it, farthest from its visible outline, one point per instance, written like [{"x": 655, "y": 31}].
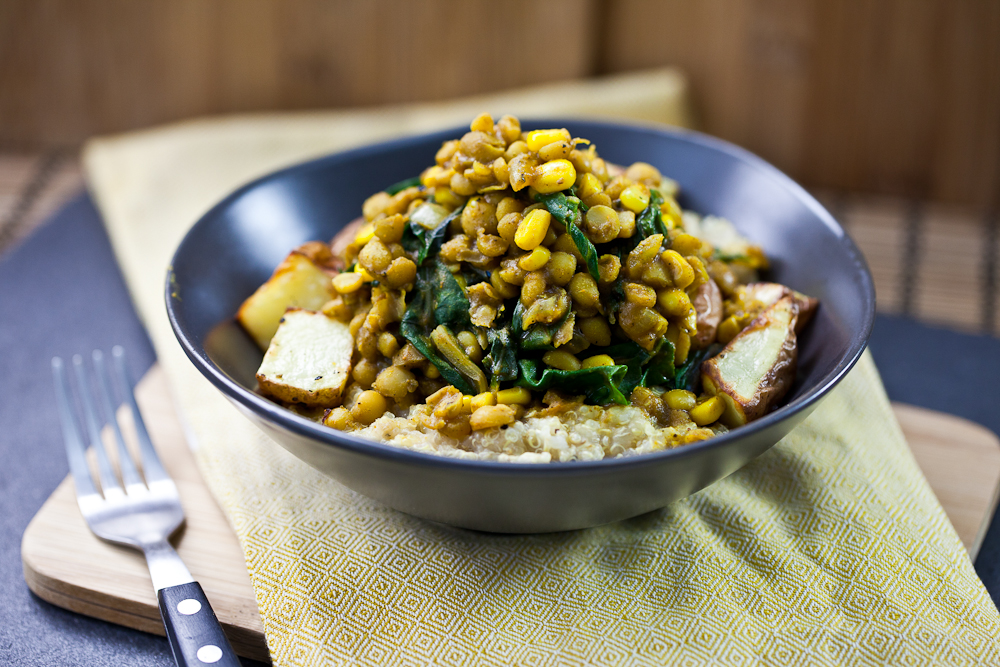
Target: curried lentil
[{"x": 522, "y": 288}]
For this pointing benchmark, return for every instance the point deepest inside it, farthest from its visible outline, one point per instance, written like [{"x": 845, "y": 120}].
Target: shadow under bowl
[{"x": 234, "y": 248}]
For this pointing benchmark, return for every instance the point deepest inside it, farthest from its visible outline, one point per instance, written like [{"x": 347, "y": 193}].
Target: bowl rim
[{"x": 303, "y": 427}]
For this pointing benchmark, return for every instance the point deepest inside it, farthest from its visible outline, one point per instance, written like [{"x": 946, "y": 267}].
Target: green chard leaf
[
  {"x": 659, "y": 370},
  {"x": 599, "y": 384},
  {"x": 568, "y": 211},
  {"x": 451, "y": 306},
  {"x": 426, "y": 242},
  {"x": 650, "y": 221},
  {"x": 538, "y": 336},
  {"x": 501, "y": 362},
  {"x": 586, "y": 248},
  {"x": 396, "y": 188},
  {"x": 688, "y": 374},
  {"x": 419, "y": 321}
]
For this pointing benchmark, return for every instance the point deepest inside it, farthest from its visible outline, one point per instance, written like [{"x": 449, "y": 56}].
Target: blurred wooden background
[{"x": 898, "y": 97}]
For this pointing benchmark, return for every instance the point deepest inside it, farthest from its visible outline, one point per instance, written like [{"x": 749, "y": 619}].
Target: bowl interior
[{"x": 237, "y": 245}]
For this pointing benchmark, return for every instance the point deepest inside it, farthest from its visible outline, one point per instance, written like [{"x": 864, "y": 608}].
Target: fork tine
[
  {"x": 151, "y": 466},
  {"x": 109, "y": 482},
  {"x": 71, "y": 432},
  {"x": 129, "y": 474}
]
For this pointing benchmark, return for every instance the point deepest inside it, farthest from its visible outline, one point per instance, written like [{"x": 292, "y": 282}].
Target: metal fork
[{"x": 143, "y": 514}]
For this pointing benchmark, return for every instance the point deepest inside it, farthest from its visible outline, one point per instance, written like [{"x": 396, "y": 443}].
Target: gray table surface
[{"x": 61, "y": 293}]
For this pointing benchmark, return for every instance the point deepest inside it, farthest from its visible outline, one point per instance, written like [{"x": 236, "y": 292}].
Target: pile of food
[{"x": 523, "y": 300}]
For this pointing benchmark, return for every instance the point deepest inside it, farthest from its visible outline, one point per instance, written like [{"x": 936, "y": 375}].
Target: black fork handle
[{"x": 195, "y": 635}]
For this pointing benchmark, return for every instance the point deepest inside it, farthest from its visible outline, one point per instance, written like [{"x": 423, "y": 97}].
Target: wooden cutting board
[{"x": 66, "y": 565}]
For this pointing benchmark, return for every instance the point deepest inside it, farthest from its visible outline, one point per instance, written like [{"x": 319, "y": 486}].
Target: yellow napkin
[{"x": 829, "y": 549}]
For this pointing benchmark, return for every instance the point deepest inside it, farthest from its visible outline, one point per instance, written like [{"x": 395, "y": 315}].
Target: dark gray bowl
[{"x": 235, "y": 247}]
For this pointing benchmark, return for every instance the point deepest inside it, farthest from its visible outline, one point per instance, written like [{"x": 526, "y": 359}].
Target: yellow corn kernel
[
  {"x": 532, "y": 229},
  {"x": 597, "y": 360},
  {"x": 514, "y": 396},
  {"x": 680, "y": 270},
  {"x": 365, "y": 276},
  {"x": 485, "y": 398},
  {"x": 365, "y": 234},
  {"x": 682, "y": 346},
  {"x": 671, "y": 214},
  {"x": 446, "y": 197},
  {"x": 535, "y": 259},
  {"x": 435, "y": 176},
  {"x": 564, "y": 361},
  {"x": 537, "y": 139},
  {"x": 345, "y": 283},
  {"x": 467, "y": 404},
  {"x": 685, "y": 244},
  {"x": 707, "y": 412},
  {"x": 554, "y": 176},
  {"x": 700, "y": 272},
  {"x": 635, "y": 197},
  {"x": 728, "y": 329},
  {"x": 680, "y": 399}
]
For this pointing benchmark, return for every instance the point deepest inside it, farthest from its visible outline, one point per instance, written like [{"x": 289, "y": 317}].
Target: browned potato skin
[
  {"x": 344, "y": 238},
  {"x": 324, "y": 398},
  {"x": 776, "y": 382},
  {"x": 249, "y": 314},
  {"x": 707, "y": 303},
  {"x": 770, "y": 293}
]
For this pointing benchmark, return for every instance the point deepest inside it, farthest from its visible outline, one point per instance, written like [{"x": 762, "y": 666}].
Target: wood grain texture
[
  {"x": 889, "y": 96},
  {"x": 65, "y": 564},
  {"x": 70, "y": 69}
]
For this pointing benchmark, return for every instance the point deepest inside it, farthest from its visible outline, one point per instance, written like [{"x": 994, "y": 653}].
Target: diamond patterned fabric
[{"x": 829, "y": 549}]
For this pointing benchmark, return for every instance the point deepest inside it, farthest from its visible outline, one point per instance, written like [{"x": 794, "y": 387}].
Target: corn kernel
[
  {"x": 467, "y": 404},
  {"x": 683, "y": 345},
  {"x": 564, "y": 361},
  {"x": 707, "y": 412},
  {"x": 365, "y": 276},
  {"x": 365, "y": 234},
  {"x": 728, "y": 329},
  {"x": 532, "y": 229},
  {"x": 514, "y": 396},
  {"x": 536, "y": 259},
  {"x": 635, "y": 197},
  {"x": 680, "y": 399},
  {"x": 554, "y": 176},
  {"x": 485, "y": 398},
  {"x": 345, "y": 283},
  {"x": 537, "y": 139},
  {"x": 446, "y": 197},
  {"x": 597, "y": 360}
]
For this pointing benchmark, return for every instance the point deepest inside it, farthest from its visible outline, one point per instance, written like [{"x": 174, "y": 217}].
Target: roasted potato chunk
[
  {"x": 769, "y": 293},
  {"x": 298, "y": 282},
  {"x": 308, "y": 360},
  {"x": 755, "y": 370},
  {"x": 707, "y": 303}
]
